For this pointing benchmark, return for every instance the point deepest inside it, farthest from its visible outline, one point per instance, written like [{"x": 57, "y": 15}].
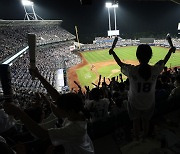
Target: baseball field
[{"x": 99, "y": 62}]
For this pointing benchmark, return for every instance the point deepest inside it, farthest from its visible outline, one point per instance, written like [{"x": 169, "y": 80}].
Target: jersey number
[{"x": 144, "y": 87}]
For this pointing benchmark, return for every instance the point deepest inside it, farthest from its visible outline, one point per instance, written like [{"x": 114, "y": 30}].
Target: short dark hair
[
  {"x": 144, "y": 53},
  {"x": 70, "y": 101}
]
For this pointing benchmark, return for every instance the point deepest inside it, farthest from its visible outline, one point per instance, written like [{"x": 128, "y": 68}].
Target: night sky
[{"x": 133, "y": 17}]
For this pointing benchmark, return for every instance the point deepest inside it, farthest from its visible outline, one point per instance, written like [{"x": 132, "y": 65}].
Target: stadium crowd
[
  {"x": 106, "y": 42},
  {"x": 49, "y": 60},
  {"x": 41, "y": 121},
  {"x": 14, "y": 37},
  {"x": 105, "y": 109}
]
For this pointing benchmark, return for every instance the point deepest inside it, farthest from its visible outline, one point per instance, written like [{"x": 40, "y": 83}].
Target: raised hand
[
  {"x": 111, "y": 51},
  {"x": 172, "y": 49}
]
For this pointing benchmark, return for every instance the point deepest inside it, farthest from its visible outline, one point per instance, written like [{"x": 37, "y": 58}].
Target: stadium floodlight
[
  {"x": 108, "y": 5},
  {"x": 26, "y": 3},
  {"x": 114, "y": 6},
  {"x": 29, "y": 13}
]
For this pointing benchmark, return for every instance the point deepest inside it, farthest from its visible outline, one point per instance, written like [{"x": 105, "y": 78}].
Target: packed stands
[
  {"x": 49, "y": 59},
  {"x": 106, "y": 42},
  {"x": 52, "y": 53},
  {"x": 14, "y": 34}
]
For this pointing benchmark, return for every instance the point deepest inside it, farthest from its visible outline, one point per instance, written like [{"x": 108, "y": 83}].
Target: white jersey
[
  {"x": 6, "y": 121},
  {"x": 98, "y": 109},
  {"x": 141, "y": 93},
  {"x": 73, "y": 136}
]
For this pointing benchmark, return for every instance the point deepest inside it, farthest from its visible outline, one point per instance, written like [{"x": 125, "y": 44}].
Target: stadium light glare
[
  {"x": 30, "y": 13},
  {"x": 115, "y": 5},
  {"x": 27, "y": 3},
  {"x": 108, "y": 5}
]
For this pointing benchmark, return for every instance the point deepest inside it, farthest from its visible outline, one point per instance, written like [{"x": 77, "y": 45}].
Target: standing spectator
[
  {"x": 73, "y": 135},
  {"x": 97, "y": 106},
  {"x": 175, "y": 93},
  {"x": 8, "y": 127},
  {"x": 142, "y": 79}
]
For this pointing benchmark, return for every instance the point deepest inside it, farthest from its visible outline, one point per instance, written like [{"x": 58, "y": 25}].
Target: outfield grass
[
  {"x": 86, "y": 77},
  {"x": 129, "y": 53},
  {"x": 106, "y": 71}
]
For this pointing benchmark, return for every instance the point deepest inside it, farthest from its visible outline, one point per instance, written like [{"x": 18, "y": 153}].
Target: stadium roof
[{"x": 28, "y": 22}]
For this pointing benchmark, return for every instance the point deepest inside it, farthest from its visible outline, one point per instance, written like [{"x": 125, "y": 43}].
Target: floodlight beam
[
  {"x": 34, "y": 13},
  {"x": 115, "y": 5},
  {"x": 109, "y": 17},
  {"x": 115, "y": 18},
  {"x": 26, "y": 14}
]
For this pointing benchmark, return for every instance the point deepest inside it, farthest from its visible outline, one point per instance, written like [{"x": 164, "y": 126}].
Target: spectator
[
  {"x": 4, "y": 147},
  {"x": 97, "y": 106},
  {"x": 73, "y": 135},
  {"x": 175, "y": 93},
  {"x": 142, "y": 79}
]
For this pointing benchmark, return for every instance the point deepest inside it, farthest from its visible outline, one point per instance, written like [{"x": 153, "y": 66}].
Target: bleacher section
[
  {"x": 13, "y": 34},
  {"x": 53, "y": 51},
  {"x": 109, "y": 133},
  {"x": 103, "y": 43},
  {"x": 49, "y": 59}
]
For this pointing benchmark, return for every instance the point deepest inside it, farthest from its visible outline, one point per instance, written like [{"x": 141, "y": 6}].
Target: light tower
[
  {"x": 29, "y": 11},
  {"x": 108, "y": 5},
  {"x": 111, "y": 32}
]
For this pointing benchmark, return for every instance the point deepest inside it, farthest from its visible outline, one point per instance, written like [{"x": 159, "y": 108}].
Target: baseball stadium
[
  {"x": 41, "y": 59},
  {"x": 99, "y": 62}
]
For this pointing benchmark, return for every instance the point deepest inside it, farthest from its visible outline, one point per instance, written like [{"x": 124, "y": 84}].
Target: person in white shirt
[
  {"x": 142, "y": 79},
  {"x": 73, "y": 135},
  {"x": 6, "y": 121},
  {"x": 5, "y": 148},
  {"x": 98, "y": 107}
]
